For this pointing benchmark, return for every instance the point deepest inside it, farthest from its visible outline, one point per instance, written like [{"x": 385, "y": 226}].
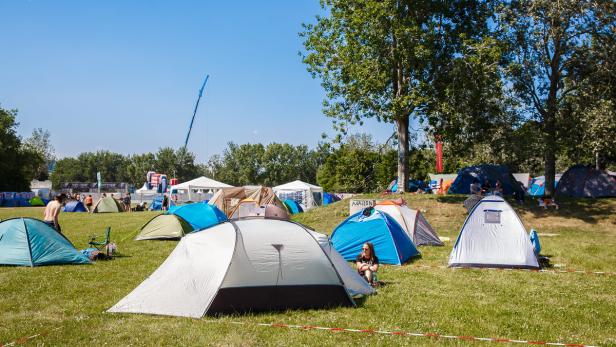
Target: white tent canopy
[
  {"x": 306, "y": 194},
  {"x": 200, "y": 188},
  {"x": 247, "y": 265},
  {"x": 493, "y": 236}
]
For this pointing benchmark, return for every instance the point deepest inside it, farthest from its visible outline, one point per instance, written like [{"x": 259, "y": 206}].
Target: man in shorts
[{"x": 52, "y": 211}]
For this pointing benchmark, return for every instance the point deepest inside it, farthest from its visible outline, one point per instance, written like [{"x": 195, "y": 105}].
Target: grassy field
[{"x": 66, "y": 304}]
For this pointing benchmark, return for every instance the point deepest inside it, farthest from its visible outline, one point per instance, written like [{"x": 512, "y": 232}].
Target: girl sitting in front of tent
[{"x": 367, "y": 263}]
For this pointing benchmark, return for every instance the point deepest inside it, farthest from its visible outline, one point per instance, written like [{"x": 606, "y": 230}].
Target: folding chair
[{"x": 103, "y": 243}]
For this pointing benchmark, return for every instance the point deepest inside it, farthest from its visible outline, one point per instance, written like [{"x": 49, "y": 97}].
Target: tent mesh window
[
  {"x": 492, "y": 216},
  {"x": 295, "y": 196}
]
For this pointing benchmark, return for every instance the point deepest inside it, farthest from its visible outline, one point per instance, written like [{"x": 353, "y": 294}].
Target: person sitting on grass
[{"x": 367, "y": 263}]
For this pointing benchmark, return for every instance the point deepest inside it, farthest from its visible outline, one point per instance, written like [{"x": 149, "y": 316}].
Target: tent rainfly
[
  {"x": 493, "y": 236},
  {"x": 108, "y": 204},
  {"x": 306, "y": 194},
  {"x": 251, "y": 209},
  {"x": 30, "y": 242},
  {"x": 581, "y": 181},
  {"x": 164, "y": 226},
  {"x": 412, "y": 221},
  {"x": 248, "y": 265}
]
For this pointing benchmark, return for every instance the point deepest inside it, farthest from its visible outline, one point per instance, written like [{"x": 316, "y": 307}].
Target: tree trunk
[
  {"x": 402, "y": 128},
  {"x": 549, "y": 121},
  {"x": 598, "y": 165}
]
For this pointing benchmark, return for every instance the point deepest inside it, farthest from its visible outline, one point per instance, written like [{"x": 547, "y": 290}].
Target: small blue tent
[
  {"x": 30, "y": 242},
  {"x": 293, "y": 206},
  {"x": 200, "y": 216},
  {"x": 391, "y": 243},
  {"x": 74, "y": 206},
  {"x": 492, "y": 173}
]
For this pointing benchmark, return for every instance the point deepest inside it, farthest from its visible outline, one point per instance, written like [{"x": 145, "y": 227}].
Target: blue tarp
[
  {"x": 30, "y": 242},
  {"x": 534, "y": 239},
  {"x": 413, "y": 186},
  {"x": 391, "y": 244},
  {"x": 157, "y": 204},
  {"x": 74, "y": 206},
  {"x": 492, "y": 173},
  {"x": 200, "y": 216},
  {"x": 537, "y": 185},
  {"x": 293, "y": 206}
]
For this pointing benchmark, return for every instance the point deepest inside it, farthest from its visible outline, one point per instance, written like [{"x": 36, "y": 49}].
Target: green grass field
[{"x": 66, "y": 304}]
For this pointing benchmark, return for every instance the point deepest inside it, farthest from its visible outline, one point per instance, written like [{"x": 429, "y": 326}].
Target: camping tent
[
  {"x": 199, "y": 189},
  {"x": 581, "y": 181},
  {"x": 306, "y": 194},
  {"x": 164, "y": 226},
  {"x": 36, "y": 201},
  {"x": 250, "y": 208},
  {"x": 292, "y": 206},
  {"x": 412, "y": 221},
  {"x": 108, "y": 204},
  {"x": 199, "y": 215},
  {"x": 248, "y": 265},
  {"x": 74, "y": 206},
  {"x": 227, "y": 199},
  {"x": 30, "y": 242},
  {"x": 391, "y": 243},
  {"x": 493, "y": 236},
  {"x": 492, "y": 173},
  {"x": 537, "y": 185},
  {"x": 329, "y": 198}
]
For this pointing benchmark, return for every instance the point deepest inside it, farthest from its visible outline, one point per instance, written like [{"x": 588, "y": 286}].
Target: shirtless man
[{"x": 52, "y": 211}]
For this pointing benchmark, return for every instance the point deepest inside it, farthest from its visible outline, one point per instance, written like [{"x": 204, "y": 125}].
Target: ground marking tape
[
  {"x": 403, "y": 333},
  {"x": 586, "y": 272},
  {"x": 25, "y": 339}
]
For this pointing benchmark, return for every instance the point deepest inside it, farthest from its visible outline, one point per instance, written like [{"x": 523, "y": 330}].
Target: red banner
[{"x": 439, "y": 157}]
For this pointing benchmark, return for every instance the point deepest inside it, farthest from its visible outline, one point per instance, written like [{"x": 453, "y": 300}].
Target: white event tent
[
  {"x": 306, "y": 194},
  {"x": 200, "y": 188}
]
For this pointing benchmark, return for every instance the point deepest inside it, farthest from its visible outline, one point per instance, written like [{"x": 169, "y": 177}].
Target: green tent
[
  {"x": 36, "y": 201},
  {"x": 108, "y": 204},
  {"x": 164, "y": 226}
]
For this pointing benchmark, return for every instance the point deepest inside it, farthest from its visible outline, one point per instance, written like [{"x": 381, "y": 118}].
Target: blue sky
[{"x": 124, "y": 75}]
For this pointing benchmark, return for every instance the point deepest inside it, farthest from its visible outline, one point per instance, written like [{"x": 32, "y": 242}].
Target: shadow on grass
[
  {"x": 587, "y": 210},
  {"x": 451, "y": 199}
]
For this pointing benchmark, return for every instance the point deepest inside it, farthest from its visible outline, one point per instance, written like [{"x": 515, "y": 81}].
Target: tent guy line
[
  {"x": 403, "y": 333},
  {"x": 586, "y": 272}
]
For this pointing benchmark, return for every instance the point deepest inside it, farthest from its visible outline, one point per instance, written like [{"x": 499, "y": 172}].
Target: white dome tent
[
  {"x": 248, "y": 265},
  {"x": 306, "y": 194},
  {"x": 493, "y": 236}
]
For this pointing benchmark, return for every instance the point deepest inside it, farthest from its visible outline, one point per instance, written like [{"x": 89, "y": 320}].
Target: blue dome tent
[
  {"x": 391, "y": 243},
  {"x": 30, "y": 242},
  {"x": 200, "y": 216},
  {"x": 74, "y": 206},
  {"x": 293, "y": 206}
]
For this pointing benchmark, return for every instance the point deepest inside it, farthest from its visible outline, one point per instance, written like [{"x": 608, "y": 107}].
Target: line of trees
[{"x": 533, "y": 75}]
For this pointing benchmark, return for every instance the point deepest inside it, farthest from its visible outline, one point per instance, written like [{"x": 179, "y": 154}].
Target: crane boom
[{"x": 192, "y": 120}]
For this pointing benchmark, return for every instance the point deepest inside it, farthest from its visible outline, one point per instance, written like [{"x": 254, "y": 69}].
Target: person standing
[
  {"x": 165, "y": 203},
  {"x": 89, "y": 202},
  {"x": 52, "y": 211},
  {"x": 126, "y": 202}
]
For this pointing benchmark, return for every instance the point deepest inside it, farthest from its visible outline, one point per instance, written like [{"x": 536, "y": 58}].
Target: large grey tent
[
  {"x": 493, "y": 236},
  {"x": 586, "y": 182},
  {"x": 247, "y": 265}
]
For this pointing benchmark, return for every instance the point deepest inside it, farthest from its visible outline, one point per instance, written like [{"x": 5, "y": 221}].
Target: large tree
[
  {"x": 546, "y": 37},
  {"x": 39, "y": 142},
  {"x": 18, "y": 164},
  {"x": 380, "y": 59}
]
